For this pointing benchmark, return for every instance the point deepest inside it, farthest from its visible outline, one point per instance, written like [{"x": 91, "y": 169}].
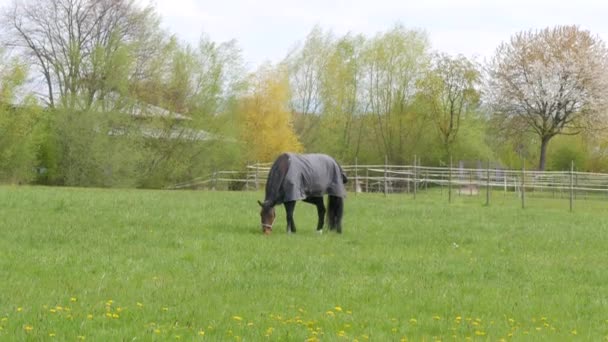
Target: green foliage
[
  {"x": 158, "y": 265},
  {"x": 18, "y": 126},
  {"x": 567, "y": 149},
  {"x": 95, "y": 149}
]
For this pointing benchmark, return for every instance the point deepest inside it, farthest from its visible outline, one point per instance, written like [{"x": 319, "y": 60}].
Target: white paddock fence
[{"x": 454, "y": 181}]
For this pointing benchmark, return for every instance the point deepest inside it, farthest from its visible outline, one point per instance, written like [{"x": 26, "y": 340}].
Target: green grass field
[{"x": 109, "y": 265}]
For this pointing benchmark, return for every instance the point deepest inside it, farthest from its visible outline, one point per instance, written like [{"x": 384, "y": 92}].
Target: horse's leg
[
  {"x": 335, "y": 213},
  {"x": 289, "y": 208},
  {"x": 339, "y": 213},
  {"x": 318, "y": 201}
]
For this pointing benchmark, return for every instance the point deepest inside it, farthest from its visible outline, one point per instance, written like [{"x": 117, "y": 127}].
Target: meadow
[{"x": 111, "y": 265}]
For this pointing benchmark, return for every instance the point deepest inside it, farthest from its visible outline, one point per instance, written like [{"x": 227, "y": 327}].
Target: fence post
[
  {"x": 571, "y": 184},
  {"x": 356, "y": 175},
  {"x": 414, "y": 175},
  {"x": 214, "y": 180},
  {"x": 450, "y": 182},
  {"x": 367, "y": 179},
  {"x": 488, "y": 184},
  {"x": 523, "y": 185},
  {"x": 385, "y": 175},
  {"x": 257, "y": 166},
  {"x": 247, "y": 177}
]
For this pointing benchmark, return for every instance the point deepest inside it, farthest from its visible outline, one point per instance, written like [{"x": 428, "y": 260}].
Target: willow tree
[
  {"x": 392, "y": 63},
  {"x": 449, "y": 91},
  {"x": 550, "y": 82}
]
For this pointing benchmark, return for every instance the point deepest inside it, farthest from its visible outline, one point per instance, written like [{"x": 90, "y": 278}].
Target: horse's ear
[{"x": 260, "y": 203}]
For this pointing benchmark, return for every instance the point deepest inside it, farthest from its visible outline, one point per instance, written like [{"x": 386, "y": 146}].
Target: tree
[
  {"x": 393, "y": 62},
  {"x": 18, "y": 124},
  {"x": 553, "y": 81},
  {"x": 449, "y": 92},
  {"x": 62, "y": 39},
  {"x": 266, "y": 120}
]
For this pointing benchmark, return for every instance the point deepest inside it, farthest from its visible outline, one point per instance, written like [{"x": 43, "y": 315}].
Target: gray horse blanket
[{"x": 307, "y": 175}]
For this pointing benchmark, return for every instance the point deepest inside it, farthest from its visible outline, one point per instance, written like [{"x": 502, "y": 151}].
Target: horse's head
[{"x": 267, "y": 216}]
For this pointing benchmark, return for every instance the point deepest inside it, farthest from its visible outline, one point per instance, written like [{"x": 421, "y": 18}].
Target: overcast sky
[{"x": 267, "y": 29}]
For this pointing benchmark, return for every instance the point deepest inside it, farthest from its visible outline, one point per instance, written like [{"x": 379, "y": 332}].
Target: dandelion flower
[
  {"x": 201, "y": 333},
  {"x": 89, "y": 317},
  {"x": 73, "y": 299},
  {"x": 28, "y": 328},
  {"x": 437, "y": 317},
  {"x": 413, "y": 321},
  {"x": 237, "y": 318},
  {"x": 52, "y": 334},
  {"x": 339, "y": 309},
  {"x": 19, "y": 309}
]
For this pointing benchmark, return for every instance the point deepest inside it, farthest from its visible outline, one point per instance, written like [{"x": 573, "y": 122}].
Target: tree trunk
[{"x": 544, "y": 142}]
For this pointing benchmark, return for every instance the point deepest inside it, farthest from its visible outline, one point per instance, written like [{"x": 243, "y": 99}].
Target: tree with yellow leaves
[{"x": 266, "y": 122}]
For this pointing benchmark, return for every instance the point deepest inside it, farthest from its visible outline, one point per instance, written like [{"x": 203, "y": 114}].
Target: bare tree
[
  {"x": 552, "y": 81},
  {"x": 62, "y": 37}
]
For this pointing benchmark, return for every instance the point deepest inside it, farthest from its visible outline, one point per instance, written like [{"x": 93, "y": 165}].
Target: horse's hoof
[{"x": 320, "y": 231}]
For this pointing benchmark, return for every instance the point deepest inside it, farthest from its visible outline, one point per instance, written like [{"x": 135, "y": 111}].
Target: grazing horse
[{"x": 304, "y": 177}]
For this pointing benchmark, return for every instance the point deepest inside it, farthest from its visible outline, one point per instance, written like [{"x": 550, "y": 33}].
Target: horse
[{"x": 306, "y": 177}]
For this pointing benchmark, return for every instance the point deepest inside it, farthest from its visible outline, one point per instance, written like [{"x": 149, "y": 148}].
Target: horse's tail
[{"x": 335, "y": 211}]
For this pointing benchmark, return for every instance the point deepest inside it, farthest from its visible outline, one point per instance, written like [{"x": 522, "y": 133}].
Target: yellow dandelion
[
  {"x": 140, "y": 305},
  {"x": 413, "y": 321},
  {"x": 82, "y": 338},
  {"x": 237, "y": 318},
  {"x": 201, "y": 333},
  {"x": 165, "y": 308},
  {"x": 330, "y": 313},
  {"x": 109, "y": 314},
  {"x": 437, "y": 317},
  {"x": 52, "y": 334},
  {"x": 250, "y": 324},
  {"x": 52, "y": 310},
  {"x": 339, "y": 309},
  {"x": 19, "y": 309},
  {"x": 73, "y": 299},
  {"x": 394, "y": 330},
  {"x": 157, "y": 331},
  {"x": 480, "y": 333},
  {"x": 89, "y": 317},
  {"x": 349, "y": 312},
  {"x": 341, "y": 333},
  {"x": 574, "y": 332},
  {"x": 403, "y": 339},
  {"x": 28, "y": 327},
  {"x": 115, "y": 316},
  {"x": 59, "y": 308}
]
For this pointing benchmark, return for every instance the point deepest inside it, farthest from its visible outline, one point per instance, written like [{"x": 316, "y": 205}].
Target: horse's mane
[{"x": 275, "y": 179}]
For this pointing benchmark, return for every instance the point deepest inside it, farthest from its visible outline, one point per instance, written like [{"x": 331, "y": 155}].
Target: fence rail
[{"x": 414, "y": 178}]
